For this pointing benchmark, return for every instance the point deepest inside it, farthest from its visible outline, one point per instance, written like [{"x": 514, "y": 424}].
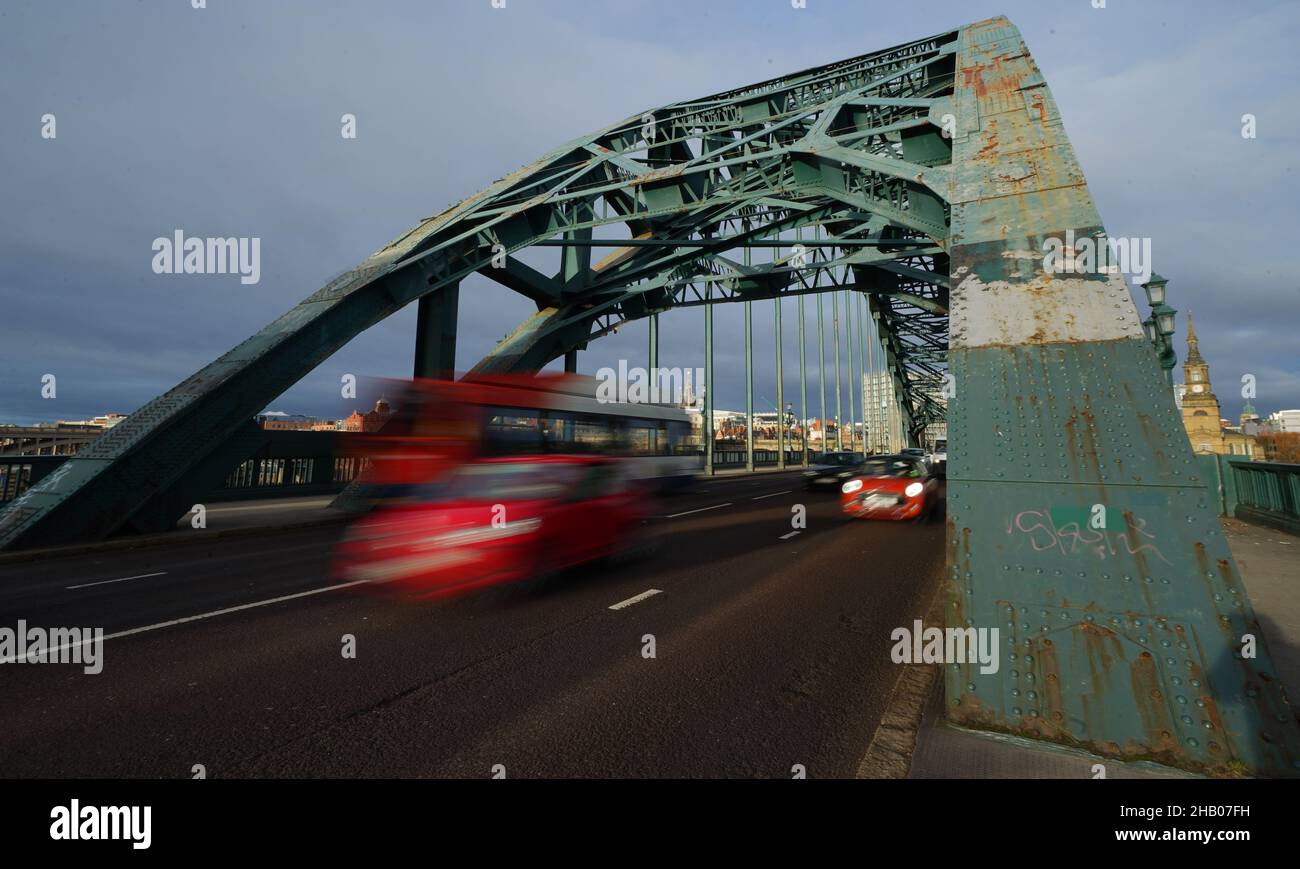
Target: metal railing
[
  {"x": 1268, "y": 493},
  {"x": 292, "y": 464}
]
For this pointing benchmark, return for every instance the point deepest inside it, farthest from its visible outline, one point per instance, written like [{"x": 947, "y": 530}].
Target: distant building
[
  {"x": 885, "y": 432},
  {"x": 1285, "y": 421},
  {"x": 1207, "y": 431},
  {"x": 1250, "y": 423},
  {"x": 371, "y": 421},
  {"x": 107, "y": 420},
  {"x": 277, "y": 421}
]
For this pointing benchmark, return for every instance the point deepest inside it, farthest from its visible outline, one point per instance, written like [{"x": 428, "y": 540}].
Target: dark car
[{"x": 832, "y": 469}]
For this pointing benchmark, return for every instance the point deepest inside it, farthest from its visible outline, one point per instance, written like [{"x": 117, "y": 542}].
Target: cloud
[{"x": 225, "y": 121}]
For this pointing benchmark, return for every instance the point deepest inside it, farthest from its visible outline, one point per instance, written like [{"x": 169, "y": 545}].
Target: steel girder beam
[
  {"x": 1078, "y": 522},
  {"x": 847, "y": 151}
]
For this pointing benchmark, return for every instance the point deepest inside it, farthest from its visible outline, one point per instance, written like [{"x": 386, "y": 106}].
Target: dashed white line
[
  {"x": 123, "y": 579},
  {"x": 636, "y": 598},
  {"x": 772, "y": 495},
  {"x": 788, "y": 536},
  {"x": 701, "y": 510}
]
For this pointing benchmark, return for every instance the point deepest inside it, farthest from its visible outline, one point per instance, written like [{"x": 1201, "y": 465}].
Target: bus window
[
  {"x": 681, "y": 439},
  {"x": 640, "y": 439},
  {"x": 512, "y": 429},
  {"x": 557, "y": 431},
  {"x": 592, "y": 434}
]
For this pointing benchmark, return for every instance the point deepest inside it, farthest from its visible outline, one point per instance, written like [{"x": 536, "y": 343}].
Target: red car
[
  {"x": 496, "y": 520},
  {"x": 891, "y": 487}
]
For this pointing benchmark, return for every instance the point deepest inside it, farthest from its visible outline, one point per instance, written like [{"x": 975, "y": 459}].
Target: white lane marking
[
  {"x": 772, "y": 495},
  {"x": 213, "y": 614},
  {"x": 788, "y": 536},
  {"x": 701, "y": 510},
  {"x": 636, "y": 598},
  {"x": 123, "y": 579}
]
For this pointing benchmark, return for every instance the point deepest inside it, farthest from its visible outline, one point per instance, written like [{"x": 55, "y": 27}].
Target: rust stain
[
  {"x": 1052, "y": 704},
  {"x": 1151, "y": 705},
  {"x": 1037, "y": 103},
  {"x": 990, "y": 149}
]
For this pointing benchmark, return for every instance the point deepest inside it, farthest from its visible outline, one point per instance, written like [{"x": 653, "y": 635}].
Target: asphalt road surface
[{"x": 771, "y": 650}]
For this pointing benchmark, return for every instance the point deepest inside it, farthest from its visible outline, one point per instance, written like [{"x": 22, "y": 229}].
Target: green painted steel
[
  {"x": 708, "y": 388},
  {"x": 780, "y": 391},
  {"x": 803, "y": 390},
  {"x": 835, "y": 328},
  {"x": 654, "y": 344},
  {"x": 862, "y": 368},
  {"x": 1264, "y": 492},
  {"x": 821, "y": 372},
  {"x": 435, "y": 337},
  {"x": 689, "y": 184},
  {"x": 1079, "y": 525},
  {"x": 749, "y": 386}
]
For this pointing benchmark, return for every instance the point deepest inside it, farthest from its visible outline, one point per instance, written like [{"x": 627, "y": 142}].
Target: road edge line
[{"x": 889, "y": 754}]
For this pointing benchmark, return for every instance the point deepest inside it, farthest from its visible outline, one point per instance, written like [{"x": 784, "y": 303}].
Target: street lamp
[
  {"x": 1159, "y": 327},
  {"x": 1164, "y": 320},
  {"x": 1155, "y": 287}
]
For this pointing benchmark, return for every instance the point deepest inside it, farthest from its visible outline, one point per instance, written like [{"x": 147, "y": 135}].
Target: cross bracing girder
[{"x": 827, "y": 151}]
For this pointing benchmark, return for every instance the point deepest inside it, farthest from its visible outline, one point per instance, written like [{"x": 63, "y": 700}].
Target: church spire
[{"x": 1193, "y": 344}]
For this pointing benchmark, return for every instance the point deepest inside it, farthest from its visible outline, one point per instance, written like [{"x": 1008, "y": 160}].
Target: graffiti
[{"x": 1071, "y": 538}]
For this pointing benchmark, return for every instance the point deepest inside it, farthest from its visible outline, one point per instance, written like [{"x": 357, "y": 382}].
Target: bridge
[{"x": 917, "y": 186}]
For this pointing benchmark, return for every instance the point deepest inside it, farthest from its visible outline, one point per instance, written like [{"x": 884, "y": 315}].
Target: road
[{"x": 771, "y": 650}]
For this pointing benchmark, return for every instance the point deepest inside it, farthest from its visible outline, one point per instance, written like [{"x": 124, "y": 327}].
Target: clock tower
[{"x": 1200, "y": 406}]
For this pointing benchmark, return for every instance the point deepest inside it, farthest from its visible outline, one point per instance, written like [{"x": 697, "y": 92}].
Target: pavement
[
  {"x": 771, "y": 655},
  {"x": 1269, "y": 562}
]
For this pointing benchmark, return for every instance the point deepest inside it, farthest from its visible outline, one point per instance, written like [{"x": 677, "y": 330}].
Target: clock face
[{"x": 1197, "y": 388}]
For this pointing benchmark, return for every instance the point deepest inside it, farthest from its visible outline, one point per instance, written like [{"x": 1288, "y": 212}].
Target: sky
[{"x": 225, "y": 121}]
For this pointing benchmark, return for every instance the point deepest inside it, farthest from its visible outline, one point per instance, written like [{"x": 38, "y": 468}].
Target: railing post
[
  {"x": 749, "y": 384},
  {"x": 803, "y": 391},
  {"x": 821, "y": 370},
  {"x": 780, "y": 393},
  {"x": 708, "y": 381},
  {"x": 835, "y": 325}
]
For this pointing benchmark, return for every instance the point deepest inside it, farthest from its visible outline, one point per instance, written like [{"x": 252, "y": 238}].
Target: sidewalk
[{"x": 1269, "y": 562}]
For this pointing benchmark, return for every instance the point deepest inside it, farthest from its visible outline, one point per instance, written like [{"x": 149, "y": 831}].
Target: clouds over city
[{"x": 225, "y": 122}]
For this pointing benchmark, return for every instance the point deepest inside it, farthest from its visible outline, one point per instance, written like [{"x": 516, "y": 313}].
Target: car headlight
[
  {"x": 913, "y": 490},
  {"x": 851, "y": 486}
]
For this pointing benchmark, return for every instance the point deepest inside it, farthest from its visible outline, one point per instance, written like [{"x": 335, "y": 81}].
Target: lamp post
[{"x": 1159, "y": 327}]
